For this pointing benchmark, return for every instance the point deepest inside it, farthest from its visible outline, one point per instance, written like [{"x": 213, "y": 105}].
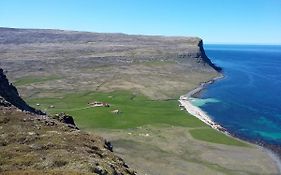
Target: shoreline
[
  {"x": 203, "y": 85},
  {"x": 196, "y": 111},
  {"x": 185, "y": 102}
]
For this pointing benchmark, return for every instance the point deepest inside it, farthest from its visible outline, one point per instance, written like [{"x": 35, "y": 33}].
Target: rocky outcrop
[
  {"x": 205, "y": 59},
  {"x": 10, "y": 94},
  {"x": 67, "y": 119},
  {"x": 4, "y": 103}
]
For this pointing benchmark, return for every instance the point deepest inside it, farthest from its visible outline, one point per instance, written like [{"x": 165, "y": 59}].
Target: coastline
[
  {"x": 184, "y": 101},
  {"x": 196, "y": 111}
]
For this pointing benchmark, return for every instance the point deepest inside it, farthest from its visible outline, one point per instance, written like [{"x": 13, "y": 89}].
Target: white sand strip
[{"x": 201, "y": 115}]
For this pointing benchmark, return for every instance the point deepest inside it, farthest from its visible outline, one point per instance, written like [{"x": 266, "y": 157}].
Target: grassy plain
[{"x": 136, "y": 110}]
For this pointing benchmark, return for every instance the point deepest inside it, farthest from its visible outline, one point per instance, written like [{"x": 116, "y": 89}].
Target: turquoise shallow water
[
  {"x": 247, "y": 101},
  {"x": 201, "y": 102}
]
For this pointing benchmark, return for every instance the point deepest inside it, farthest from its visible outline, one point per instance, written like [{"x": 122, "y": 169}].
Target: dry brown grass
[
  {"x": 50, "y": 172},
  {"x": 34, "y": 144}
]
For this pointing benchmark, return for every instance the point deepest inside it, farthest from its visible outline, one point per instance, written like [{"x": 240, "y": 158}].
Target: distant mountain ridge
[
  {"x": 182, "y": 47},
  {"x": 21, "y": 36}
]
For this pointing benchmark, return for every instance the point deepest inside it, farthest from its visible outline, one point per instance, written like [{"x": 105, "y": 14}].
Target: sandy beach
[
  {"x": 200, "y": 114},
  {"x": 196, "y": 111}
]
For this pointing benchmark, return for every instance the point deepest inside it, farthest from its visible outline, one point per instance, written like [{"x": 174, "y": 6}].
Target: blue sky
[{"x": 216, "y": 21}]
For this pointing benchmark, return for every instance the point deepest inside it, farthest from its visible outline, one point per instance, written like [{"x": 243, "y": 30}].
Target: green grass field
[{"x": 135, "y": 110}]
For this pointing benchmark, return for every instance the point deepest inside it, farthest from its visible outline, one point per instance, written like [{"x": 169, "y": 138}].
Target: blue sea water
[{"x": 247, "y": 101}]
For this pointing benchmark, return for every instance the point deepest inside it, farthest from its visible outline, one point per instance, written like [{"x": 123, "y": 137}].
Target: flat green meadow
[{"x": 135, "y": 110}]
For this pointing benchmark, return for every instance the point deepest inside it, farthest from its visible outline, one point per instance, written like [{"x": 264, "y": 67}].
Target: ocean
[{"x": 247, "y": 101}]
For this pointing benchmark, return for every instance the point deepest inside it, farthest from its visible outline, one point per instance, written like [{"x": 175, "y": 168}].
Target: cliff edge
[
  {"x": 205, "y": 58},
  {"x": 9, "y": 96}
]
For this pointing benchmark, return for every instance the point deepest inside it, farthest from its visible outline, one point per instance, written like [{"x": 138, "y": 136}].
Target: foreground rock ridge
[{"x": 39, "y": 144}]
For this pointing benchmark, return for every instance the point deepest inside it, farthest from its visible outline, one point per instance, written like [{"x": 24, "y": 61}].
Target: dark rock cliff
[
  {"x": 205, "y": 59},
  {"x": 11, "y": 96}
]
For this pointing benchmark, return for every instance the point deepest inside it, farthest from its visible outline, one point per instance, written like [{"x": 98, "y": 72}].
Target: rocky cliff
[
  {"x": 205, "y": 59},
  {"x": 32, "y": 143},
  {"x": 10, "y": 96}
]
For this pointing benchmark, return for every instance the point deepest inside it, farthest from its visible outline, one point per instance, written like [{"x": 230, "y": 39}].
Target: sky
[{"x": 215, "y": 21}]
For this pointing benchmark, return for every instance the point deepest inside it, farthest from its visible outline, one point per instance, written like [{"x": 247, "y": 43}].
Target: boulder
[{"x": 67, "y": 119}]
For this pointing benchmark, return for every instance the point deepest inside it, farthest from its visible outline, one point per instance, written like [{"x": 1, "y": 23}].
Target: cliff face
[
  {"x": 10, "y": 96},
  {"x": 34, "y": 144},
  {"x": 205, "y": 59}
]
